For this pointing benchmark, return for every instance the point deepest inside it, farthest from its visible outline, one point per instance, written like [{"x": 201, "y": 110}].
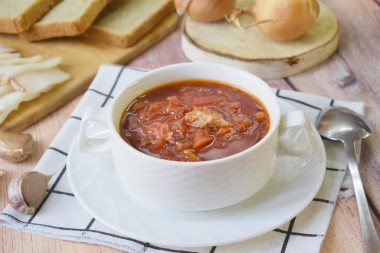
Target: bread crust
[
  {"x": 65, "y": 28},
  {"x": 128, "y": 39},
  {"x": 24, "y": 20}
]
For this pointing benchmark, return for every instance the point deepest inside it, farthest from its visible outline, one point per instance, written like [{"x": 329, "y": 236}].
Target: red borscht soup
[{"x": 194, "y": 120}]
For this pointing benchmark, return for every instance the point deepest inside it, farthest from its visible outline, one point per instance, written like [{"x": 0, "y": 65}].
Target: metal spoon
[{"x": 341, "y": 124}]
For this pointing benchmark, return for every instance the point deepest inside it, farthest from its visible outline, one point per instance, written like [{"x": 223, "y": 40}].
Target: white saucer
[{"x": 292, "y": 187}]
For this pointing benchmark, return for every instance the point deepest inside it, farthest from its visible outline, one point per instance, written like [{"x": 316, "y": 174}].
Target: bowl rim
[{"x": 272, "y": 130}]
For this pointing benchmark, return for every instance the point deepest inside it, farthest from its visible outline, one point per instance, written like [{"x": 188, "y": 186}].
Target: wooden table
[{"x": 352, "y": 73}]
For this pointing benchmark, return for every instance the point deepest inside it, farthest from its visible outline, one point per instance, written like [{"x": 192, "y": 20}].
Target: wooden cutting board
[
  {"x": 249, "y": 49},
  {"x": 81, "y": 59}
]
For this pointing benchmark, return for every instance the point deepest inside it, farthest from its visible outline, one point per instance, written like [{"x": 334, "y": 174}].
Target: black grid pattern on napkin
[{"x": 145, "y": 245}]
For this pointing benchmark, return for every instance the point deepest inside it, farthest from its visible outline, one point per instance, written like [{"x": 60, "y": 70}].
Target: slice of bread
[
  {"x": 123, "y": 22},
  {"x": 67, "y": 18},
  {"x": 18, "y": 15}
]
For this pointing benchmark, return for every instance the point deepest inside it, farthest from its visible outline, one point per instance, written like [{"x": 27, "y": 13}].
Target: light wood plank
[{"x": 358, "y": 54}]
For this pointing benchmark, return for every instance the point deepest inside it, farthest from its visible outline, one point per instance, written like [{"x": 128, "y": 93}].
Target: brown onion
[
  {"x": 205, "y": 10},
  {"x": 282, "y": 20}
]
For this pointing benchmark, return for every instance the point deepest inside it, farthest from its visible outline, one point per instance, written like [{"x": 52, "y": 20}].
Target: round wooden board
[{"x": 249, "y": 49}]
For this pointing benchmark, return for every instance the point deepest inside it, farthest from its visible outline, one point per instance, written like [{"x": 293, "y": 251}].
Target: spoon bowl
[{"x": 341, "y": 124}]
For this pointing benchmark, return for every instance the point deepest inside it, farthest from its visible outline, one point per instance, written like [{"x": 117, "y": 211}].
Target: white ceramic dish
[
  {"x": 194, "y": 186},
  {"x": 292, "y": 187}
]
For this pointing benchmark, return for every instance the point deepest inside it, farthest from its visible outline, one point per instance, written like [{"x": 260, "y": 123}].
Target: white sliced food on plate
[
  {"x": 39, "y": 81},
  {"x": 10, "y": 71},
  {"x": 9, "y": 56},
  {"x": 5, "y": 49},
  {"x": 5, "y": 89},
  {"x": 11, "y": 101},
  {"x": 33, "y": 84},
  {"x": 22, "y": 60},
  {"x": 25, "y": 78}
]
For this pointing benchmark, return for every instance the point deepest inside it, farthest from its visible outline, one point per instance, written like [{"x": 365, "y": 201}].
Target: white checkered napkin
[{"x": 61, "y": 216}]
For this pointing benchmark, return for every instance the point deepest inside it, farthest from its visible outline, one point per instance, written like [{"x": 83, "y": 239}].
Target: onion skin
[
  {"x": 282, "y": 20},
  {"x": 205, "y": 10}
]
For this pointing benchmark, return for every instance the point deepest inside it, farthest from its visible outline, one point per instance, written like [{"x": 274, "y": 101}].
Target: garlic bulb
[
  {"x": 15, "y": 147},
  {"x": 26, "y": 192}
]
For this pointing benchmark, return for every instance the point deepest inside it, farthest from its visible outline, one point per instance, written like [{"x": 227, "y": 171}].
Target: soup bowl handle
[
  {"x": 93, "y": 136},
  {"x": 296, "y": 138}
]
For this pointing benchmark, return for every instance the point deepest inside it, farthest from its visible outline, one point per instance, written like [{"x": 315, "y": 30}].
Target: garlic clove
[
  {"x": 26, "y": 192},
  {"x": 15, "y": 147}
]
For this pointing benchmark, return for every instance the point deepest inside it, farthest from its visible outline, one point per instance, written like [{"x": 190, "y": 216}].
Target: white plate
[{"x": 292, "y": 187}]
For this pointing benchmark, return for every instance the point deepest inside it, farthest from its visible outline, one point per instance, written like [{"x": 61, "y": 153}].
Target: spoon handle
[{"x": 370, "y": 237}]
